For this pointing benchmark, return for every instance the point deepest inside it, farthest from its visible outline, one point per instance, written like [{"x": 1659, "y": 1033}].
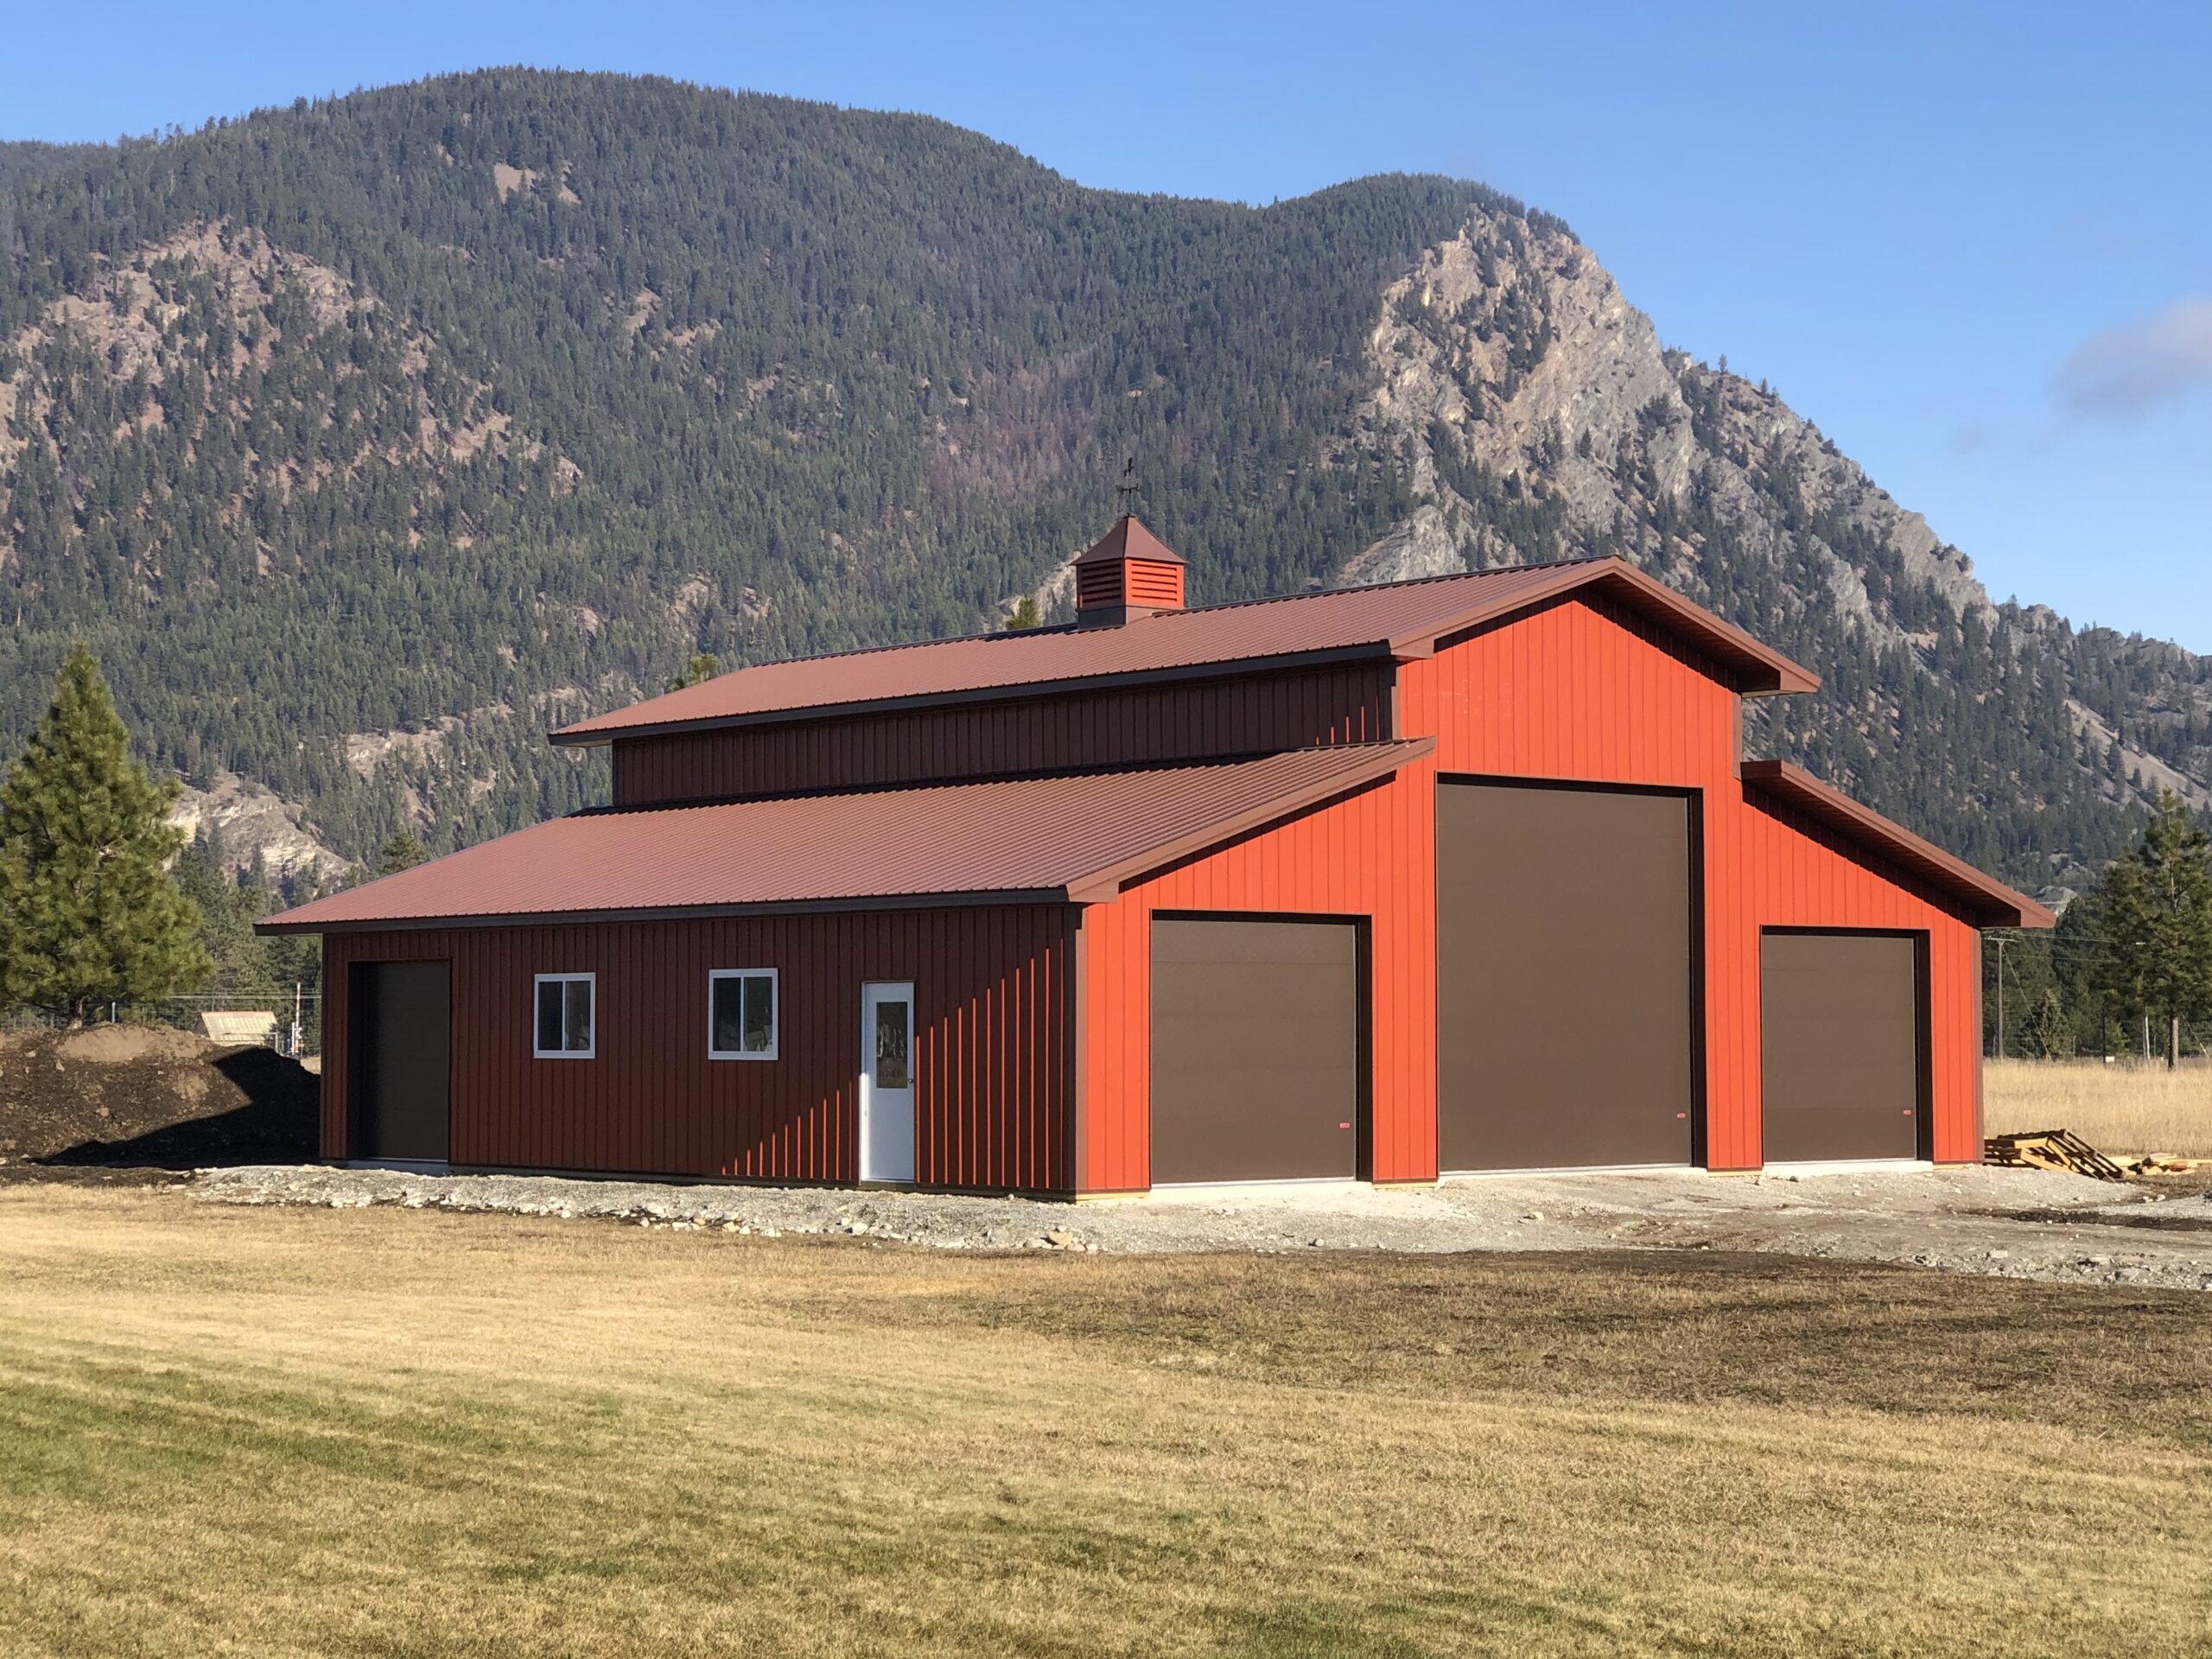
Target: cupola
[{"x": 1127, "y": 572}]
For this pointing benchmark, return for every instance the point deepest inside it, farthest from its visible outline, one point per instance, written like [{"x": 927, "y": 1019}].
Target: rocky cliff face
[
  {"x": 1537, "y": 415},
  {"x": 365, "y": 439}
]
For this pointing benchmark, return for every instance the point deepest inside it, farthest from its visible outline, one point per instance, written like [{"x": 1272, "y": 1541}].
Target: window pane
[
  {"x": 549, "y": 1016},
  {"x": 891, "y": 1045},
  {"x": 760, "y": 1013},
  {"x": 729, "y": 995},
  {"x": 579, "y": 1016}
]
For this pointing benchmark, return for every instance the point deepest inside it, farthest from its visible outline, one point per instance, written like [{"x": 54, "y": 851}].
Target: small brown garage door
[
  {"x": 1255, "y": 1050},
  {"x": 1563, "y": 977},
  {"x": 399, "y": 1030},
  {"x": 1839, "y": 1058}
]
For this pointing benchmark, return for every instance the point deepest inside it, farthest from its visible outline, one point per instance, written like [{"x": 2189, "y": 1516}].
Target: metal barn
[{"x": 1383, "y": 884}]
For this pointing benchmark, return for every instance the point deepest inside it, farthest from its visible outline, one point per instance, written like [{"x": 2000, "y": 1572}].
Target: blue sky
[{"x": 1974, "y": 242}]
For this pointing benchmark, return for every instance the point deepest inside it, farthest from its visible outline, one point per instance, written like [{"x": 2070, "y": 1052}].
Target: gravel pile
[{"x": 2017, "y": 1223}]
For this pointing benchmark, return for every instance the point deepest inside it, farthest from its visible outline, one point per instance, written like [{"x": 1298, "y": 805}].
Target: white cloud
[{"x": 2127, "y": 372}]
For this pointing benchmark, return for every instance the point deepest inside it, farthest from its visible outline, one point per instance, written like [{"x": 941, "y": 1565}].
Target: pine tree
[
  {"x": 2051, "y": 1030},
  {"x": 2158, "y": 909},
  {"x": 88, "y": 910},
  {"x": 1024, "y": 614},
  {"x": 700, "y": 669},
  {"x": 403, "y": 852}
]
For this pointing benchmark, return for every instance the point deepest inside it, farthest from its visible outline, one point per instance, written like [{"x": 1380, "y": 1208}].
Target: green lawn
[{"x": 389, "y": 1432}]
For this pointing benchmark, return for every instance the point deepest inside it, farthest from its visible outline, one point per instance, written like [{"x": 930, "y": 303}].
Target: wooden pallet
[{"x": 2051, "y": 1149}]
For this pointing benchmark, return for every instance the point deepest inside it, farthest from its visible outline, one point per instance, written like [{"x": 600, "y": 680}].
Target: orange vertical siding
[
  {"x": 1585, "y": 690},
  {"x": 1370, "y": 856},
  {"x": 1580, "y": 690}
]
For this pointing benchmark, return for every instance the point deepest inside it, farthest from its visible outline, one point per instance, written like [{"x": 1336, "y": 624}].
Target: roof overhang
[
  {"x": 278, "y": 924},
  {"x": 1987, "y": 902}
]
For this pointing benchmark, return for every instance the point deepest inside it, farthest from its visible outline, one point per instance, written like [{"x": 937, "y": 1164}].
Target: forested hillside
[{"x": 365, "y": 439}]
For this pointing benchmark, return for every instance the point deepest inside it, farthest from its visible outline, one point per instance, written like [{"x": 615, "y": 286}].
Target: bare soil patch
[{"x": 118, "y": 1097}]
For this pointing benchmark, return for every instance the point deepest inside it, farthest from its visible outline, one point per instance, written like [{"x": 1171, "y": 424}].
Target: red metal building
[{"x": 1379, "y": 884}]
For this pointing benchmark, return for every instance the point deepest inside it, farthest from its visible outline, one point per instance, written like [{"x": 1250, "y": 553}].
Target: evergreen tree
[
  {"x": 403, "y": 852},
  {"x": 88, "y": 910},
  {"x": 227, "y": 911},
  {"x": 1024, "y": 614},
  {"x": 2157, "y": 904},
  {"x": 2051, "y": 1031},
  {"x": 700, "y": 669}
]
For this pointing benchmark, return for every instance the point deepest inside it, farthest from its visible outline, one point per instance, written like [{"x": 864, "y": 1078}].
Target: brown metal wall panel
[
  {"x": 1347, "y": 703},
  {"x": 1841, "y": 1067},
  {"x": 1564, "y": 978},
  {"x": 1256, "y": 1047},
  {"x": 994, "y": 1065}
]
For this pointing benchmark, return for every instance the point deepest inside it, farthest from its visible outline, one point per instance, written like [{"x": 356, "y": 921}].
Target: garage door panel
[
  {"x": 400, "y": 1027},
  {"x": 1564, "y": 978},
  {"x": 1254, "y": 1050},
  {"x": 1839, "y": 1065}
]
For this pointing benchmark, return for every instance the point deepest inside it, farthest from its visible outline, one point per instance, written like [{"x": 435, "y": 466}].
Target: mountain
[{"x": 366, "y": 438}]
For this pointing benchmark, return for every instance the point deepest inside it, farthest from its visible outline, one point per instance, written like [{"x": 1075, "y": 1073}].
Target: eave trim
[{"x": 678, "y": 912}]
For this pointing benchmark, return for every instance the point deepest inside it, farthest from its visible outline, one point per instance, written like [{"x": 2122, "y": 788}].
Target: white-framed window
[
  {"x": 741, "y": 1013},
  {"x": 564, "y": 1016}
]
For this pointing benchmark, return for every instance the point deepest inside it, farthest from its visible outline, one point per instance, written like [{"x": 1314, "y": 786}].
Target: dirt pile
[{"x": 122, "y": 1096}]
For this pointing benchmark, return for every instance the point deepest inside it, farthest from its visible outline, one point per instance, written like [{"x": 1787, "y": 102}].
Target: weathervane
[{"x": 1125, "y": 490}]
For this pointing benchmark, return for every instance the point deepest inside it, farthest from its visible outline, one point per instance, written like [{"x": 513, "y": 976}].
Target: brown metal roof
[
  {"x": 1075, "y": 837},
  {"x": 1129, "y": 539},
  {"x": 1987, "y": 900},
  {"x": 1402, "y": 619}
]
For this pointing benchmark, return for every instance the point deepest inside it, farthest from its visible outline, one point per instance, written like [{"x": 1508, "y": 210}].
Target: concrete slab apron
[{"x": 2016, "y": 1224}]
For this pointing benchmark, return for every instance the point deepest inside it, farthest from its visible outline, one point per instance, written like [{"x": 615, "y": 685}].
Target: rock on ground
[{"x": 2016, "y": 1224}]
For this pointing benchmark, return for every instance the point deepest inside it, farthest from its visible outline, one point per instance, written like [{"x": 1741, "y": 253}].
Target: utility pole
[{"x": 2000, "y": 996}]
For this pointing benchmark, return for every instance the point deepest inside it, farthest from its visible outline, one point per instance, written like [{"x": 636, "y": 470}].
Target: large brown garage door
[
  {"x": 1256, "y": 1029},
  {"x": 1839, "y": 1056},
  {"x": 1563, "y": 977}
]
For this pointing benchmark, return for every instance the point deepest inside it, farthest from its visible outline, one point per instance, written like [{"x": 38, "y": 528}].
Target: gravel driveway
[{"x": 2020, "y": 1223}]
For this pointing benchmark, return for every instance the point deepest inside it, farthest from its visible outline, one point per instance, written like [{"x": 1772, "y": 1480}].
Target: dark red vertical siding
[
  {"x": 1347, "y": 703},
  {"x": 993, "y": 991}
]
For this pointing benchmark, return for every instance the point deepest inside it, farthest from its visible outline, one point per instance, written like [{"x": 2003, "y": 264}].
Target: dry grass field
[
  {"x": 244, "y": 1431},
  {"x": 2130, "y": 1107}
]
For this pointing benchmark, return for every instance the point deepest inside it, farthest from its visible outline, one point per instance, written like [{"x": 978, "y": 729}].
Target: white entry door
[{"x": 887, "y": 1081}]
